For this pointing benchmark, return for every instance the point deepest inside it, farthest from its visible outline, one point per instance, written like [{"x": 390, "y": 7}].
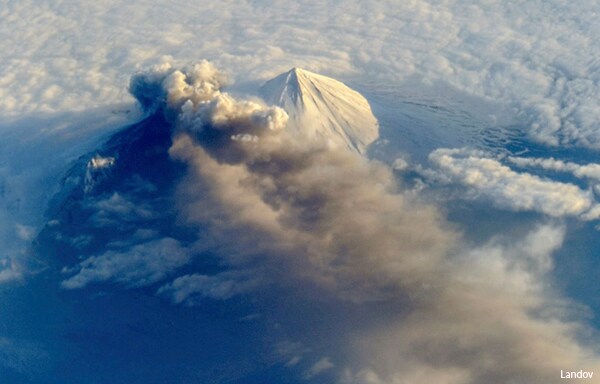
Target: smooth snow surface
[{"x": 323, "y": 108}]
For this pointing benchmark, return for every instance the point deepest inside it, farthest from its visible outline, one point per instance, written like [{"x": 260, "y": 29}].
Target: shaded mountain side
[{"x": 109, "y": 194}]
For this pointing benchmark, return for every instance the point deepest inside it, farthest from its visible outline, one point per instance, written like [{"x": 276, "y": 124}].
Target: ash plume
[{"x": 320, "y": 220}]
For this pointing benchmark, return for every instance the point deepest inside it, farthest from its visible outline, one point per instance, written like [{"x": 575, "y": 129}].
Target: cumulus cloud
[
  {"x": 587, "y": 171},
  {"x": 325, "y": 222},
  {"x": 486, "y": 176},
  {"x": 140, "y": 265}
]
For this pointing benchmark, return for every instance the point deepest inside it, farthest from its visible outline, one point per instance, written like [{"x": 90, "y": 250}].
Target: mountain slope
[{"x": 323, "y": 108}]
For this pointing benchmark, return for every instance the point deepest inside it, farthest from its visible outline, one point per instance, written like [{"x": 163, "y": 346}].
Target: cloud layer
[{"x": 539, "y": 58}]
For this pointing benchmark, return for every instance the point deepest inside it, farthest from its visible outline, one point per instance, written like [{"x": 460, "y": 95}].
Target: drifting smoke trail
[{"x": 299, "y": 214}]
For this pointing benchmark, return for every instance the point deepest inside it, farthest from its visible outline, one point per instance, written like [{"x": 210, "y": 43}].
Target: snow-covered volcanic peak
[{"x": 323, "y": 108}]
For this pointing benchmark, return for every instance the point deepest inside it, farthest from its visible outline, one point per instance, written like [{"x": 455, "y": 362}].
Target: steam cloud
[{"x": 295, "y": 214}]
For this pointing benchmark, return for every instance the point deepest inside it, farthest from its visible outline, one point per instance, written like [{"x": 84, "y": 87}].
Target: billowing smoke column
[{"x": 291, "y": 213}]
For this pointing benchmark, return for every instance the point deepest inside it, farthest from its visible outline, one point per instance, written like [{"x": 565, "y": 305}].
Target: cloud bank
[
  {"x": 486, "y": 176},
  {"x": 324, "y": 222},
  {"x": 539, "y": 58}
]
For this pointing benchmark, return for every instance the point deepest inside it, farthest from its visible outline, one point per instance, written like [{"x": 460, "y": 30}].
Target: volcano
[{"x": 323, "y": 109}]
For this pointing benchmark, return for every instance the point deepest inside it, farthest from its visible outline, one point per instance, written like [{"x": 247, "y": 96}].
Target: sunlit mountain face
[
  {"x": 342, "y": 193},
  {"x": 323, "y": 108}
]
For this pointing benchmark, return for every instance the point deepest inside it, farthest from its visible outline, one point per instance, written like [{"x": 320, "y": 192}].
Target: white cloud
[
  {"x": 400, "y": 164},
  {"x": 140, "y": 265},
  {"x": 319, "y": 367},
  {"x": 486, "y": 176},
  {"x": 587, "y": 171},
  {"x": 540, "y": 58}
]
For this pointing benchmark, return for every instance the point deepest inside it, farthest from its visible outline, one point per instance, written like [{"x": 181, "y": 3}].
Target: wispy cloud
[
  {"x": 583, "y": 171},
  {"x": 140, "y": 265},
  {"x": 221, "y": 286}
]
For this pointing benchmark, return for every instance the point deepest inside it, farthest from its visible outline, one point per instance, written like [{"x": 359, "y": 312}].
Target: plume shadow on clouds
[{"x": 34, "y": 149}]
